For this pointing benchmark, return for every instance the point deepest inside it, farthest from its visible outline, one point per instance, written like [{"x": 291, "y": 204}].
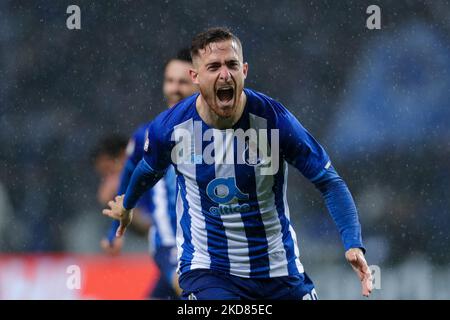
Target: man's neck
[{"x": 213, "y": 120}]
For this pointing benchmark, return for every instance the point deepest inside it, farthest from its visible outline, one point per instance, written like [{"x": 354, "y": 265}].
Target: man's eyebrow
[
  {"x": 218, "y": 62},
  {"x": 212, "y": 63}
]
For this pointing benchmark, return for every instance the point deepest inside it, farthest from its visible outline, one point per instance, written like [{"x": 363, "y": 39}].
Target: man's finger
[
  {"x": 111, "y": 214},
  {"x": 366, "y": 289},
  {"x": 367, "y": 285},
  {"x": 120, "y": 231},
  {"x": 364, "y": 274}
]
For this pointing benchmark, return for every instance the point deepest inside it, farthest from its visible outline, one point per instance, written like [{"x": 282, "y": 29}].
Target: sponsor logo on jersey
[{"x": 226, "y": 194}]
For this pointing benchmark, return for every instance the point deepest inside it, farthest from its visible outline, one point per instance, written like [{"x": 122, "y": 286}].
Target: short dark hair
[
  {"x": 217, "y": 34},
  {"x": 183, "y": 55},
  {"x": 112, "y": 146}
]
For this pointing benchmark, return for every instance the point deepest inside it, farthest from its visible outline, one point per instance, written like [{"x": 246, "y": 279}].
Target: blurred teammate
[
  {"x": 231, "y": 147},
  {"x": 160, "y": 200},
  {"x": 109, "y": 157}
]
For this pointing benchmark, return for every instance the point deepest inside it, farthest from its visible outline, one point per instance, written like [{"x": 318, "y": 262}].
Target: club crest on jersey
[
  {"x": 226, "y": 193},
  {"x": 130, "y": 148}
]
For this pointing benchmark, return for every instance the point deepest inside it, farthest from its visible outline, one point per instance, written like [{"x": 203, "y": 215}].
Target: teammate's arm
[
  {"x": 301, "y": 150},
  {"x": 341, "y": 207}
]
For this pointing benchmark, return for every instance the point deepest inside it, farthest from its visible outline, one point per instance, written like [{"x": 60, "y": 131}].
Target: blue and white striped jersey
[{"x": 232, "y": 211}]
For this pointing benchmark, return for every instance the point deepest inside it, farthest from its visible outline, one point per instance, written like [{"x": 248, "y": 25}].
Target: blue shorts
[
  {"x": 166, "y": 260},
  {"x": 205, "y": 284}
]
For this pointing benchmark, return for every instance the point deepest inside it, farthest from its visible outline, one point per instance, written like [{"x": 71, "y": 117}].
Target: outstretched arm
[
  {"x": 300, "y": 149},
  {"x": 341, "y": 207}
]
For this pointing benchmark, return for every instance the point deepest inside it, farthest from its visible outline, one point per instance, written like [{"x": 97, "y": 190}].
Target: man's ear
[
  {"x": 194, "y": 76},
  {"x": 245, "y": 69}
]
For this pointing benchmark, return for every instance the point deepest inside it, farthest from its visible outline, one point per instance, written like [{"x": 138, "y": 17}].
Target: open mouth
[{"x": 225, "y": 94}]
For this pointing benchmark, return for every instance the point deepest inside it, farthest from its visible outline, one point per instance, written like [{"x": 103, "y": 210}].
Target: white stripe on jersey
[
  {"x": 238, "y": 252},
  {"x": 201, "y": 258},
  {"x": 161, "y": 214},
  {"x": 180, "y": 238}
]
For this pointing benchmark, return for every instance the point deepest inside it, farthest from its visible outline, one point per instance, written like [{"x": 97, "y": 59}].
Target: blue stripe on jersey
[
  {"x": 217, "y": 239},
  {"x": 170, "y": 180},
  {"x": 185, "y": 225},
  {"x": 157, "y": 242},
  {"x": 253, "y": 224},
  {"x": 288, "y": 242}
]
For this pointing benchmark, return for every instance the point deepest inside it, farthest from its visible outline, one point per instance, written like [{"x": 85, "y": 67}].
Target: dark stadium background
[{"x": 378, "y": 100}]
